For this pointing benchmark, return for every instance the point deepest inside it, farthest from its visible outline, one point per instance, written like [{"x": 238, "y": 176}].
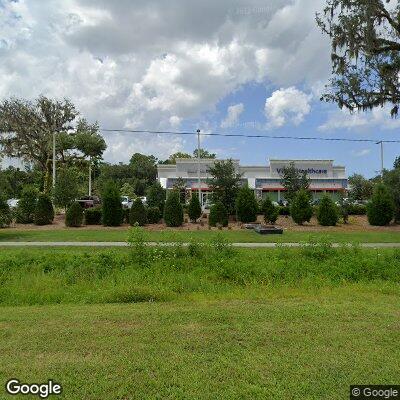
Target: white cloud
[
  {"x": 365, "y": 121},
  {"x": 137, "y": 64},
  {"x": 361, "y": 153},
  {"x": 287, "y": 106},
  {"x": 233, "y": 115}
]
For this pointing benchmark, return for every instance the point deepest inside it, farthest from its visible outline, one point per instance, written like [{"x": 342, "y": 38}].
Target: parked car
[
  {"x": 89, "y": 201},
  {"x": 12, "y": 203},
  {"x": 126, "y": 202}
]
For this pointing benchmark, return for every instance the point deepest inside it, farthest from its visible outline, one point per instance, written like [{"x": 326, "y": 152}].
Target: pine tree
[
  {"x": 5, "y": 214},
  {"x": 218, "y": 214},
  {"x": 137, "y": 215},
  {"x": 173, "y": 211},
  {"x": 301, "y": 210},
  {"x": 153, "y": 215},
  {"x": 44, "y": 210},
  {"x": 112, "y": 213},
  {"x": 327, "y": 214},
  {"x": 270, "y": 211},
  {"x": 26, "y": 205},
  {"x": 156, "y": 196},
  {"x": 74, "y": 215},
  {"x": 246, "y": 205},
  {"x": 380, "y": 210},
  {"x": 194, "y": 208}
]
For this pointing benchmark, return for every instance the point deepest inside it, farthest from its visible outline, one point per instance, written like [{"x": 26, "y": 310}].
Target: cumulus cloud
[
  {"x": 287, "y": 106},
  {"x": 138, "y": 64},
  {"x": 233, "y": 115},
  {"x": 343, "y": 119}
]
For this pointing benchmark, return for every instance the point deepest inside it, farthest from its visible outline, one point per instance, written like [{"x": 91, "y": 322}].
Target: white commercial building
[{"x": 325, "y": 177}]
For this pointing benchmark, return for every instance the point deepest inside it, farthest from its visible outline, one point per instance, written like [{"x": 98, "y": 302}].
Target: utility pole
[
  {"x": 198, "y": 166},
  {"x": 54, "y": 161},
  {"x": 382, "y": 162},
  {"x": 90, "y": 175}
]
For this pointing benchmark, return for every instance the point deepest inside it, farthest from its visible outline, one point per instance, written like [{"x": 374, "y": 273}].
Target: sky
[{"x": 253, "y": 67}]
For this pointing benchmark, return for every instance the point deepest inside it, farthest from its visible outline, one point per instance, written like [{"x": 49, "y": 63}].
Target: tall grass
[{"x": 141, "y": 273}]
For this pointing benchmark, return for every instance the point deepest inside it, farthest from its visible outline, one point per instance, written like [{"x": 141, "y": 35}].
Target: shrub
[
  {"x": 270, "y": 212},
  {"x": 74, "y": 215},
  {"x": 173, "y": 211},
  {"x": 327, "y": 213},
  {"x": 137, "y": 215},
  {"x": 194, "y": 210},
  {"x": 44, "y": 211},
  {"x": 26, "y": 205},
  {"x": 153, "y": 215},
  {"x": 112, "y": 208},
  {"x": 357, "y": 209},
  {"x": 5, "y": 214},
  {"x": 156, "y": 196},
  {"x": 380, "y": 210},
  {"x": 93, "y": 216},
  {"x": 126, "y": 212},
  {"x": 246, "y": 205},
  {"x": 301, "y": 210},
  {"x": 284, "y": 210},
  {"x": 218, "y": 215}
]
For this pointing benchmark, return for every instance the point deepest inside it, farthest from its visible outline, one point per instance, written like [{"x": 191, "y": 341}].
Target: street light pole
[
  {"x": 54, "y": 161},
  {"x": 90, "y": 175},
  {"x": 198, "y": 165},
  {"x": 382, "y": 162}
]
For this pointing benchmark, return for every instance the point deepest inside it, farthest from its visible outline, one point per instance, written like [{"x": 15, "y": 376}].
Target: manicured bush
[
  {"x": 5, "y": 214},
  {"x": 156, "y": 196},
  {"x": 218, "y": 215},
  {"x": 126, "y": 212},
  {"x": 357, "y": 209},
  {"x": 74, "y": 215},
  {"x": 246, "y": 205},
  {"x": 327, "y": 213},
  {"x": 270, "y": 212},
  {"x": 301, "y": 210},
  {"x": 173, "y": 211},
  {"x": 112, "y": 208},
  {"x": 194, "y": 209},
  {"x": 44, "y": 210},
  {"x": 380, "y": 210},
  {"x": 284, "y": 210},
  {"x": 153, "y": 215},
  {"x": 93, "y": 216},
  {"x": 137, "y": 215},
  {"x": 26, "y": 205}
]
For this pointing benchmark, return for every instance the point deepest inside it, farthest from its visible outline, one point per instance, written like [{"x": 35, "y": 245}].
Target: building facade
[{"x": 325, "y": 177}]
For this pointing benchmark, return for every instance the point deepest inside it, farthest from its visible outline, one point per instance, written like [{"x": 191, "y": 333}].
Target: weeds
[{"x": 48, "y": 276}]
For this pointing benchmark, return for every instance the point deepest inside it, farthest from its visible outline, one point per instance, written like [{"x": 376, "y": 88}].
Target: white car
[
  {"x": 12, "y": 203},
  {"x": 126, "y": 202}
]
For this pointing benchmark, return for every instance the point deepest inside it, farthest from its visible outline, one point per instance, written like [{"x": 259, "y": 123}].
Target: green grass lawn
[
  {"x": 305, "y": 347},
  {"x": 204, "y": 322},
  {"x": 120, "y": 234}
]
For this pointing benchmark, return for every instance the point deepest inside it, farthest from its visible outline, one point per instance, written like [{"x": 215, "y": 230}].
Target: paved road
[{"x": 124, "y": 244}]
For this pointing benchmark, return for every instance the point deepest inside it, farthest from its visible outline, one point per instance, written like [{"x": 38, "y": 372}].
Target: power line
[{"x": 330, "y": 139}]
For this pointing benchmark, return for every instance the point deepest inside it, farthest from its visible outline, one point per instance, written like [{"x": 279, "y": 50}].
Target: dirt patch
[{"x": 356, "y": 223}]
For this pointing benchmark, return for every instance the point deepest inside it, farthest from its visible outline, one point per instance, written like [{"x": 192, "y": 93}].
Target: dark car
[{"x": 89, "y": 201}]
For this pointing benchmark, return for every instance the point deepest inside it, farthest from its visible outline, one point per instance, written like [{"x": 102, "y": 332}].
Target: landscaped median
[{"x": 202, "y": 321}]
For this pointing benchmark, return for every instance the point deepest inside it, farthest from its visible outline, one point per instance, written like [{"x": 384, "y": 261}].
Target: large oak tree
[
  {"x": 365, "y": 42},
  {"x": 27, "y": 127}
]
